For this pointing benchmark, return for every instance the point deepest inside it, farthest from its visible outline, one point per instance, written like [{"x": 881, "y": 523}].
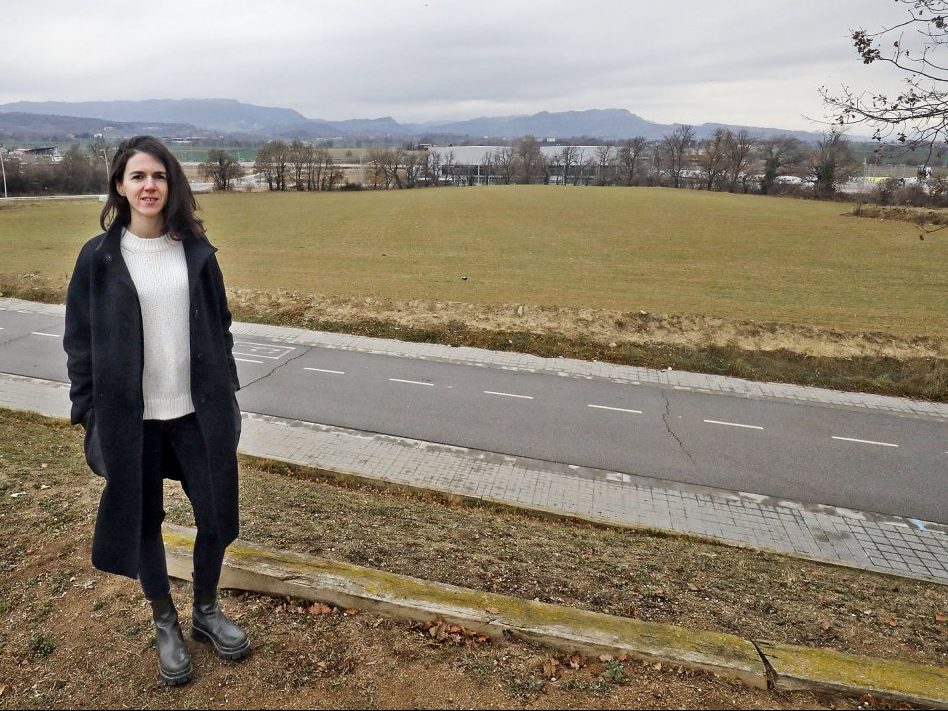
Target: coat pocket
[{"x": 93, "y": 447}]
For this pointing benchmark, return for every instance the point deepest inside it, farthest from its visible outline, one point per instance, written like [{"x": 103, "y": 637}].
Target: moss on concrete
[{"x": 829, "y": 670}]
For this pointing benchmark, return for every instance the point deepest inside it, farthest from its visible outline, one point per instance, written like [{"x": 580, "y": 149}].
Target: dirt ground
[{"x": 72, "y": 637}]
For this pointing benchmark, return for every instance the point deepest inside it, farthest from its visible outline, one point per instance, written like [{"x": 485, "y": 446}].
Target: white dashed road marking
[
  {"x": 616, "y": 409},
  {"x": 323, "y": 370},
  {"x": 866, "y": 441},
  {"x": 247, "y": 360},
  {"x": 410, "y": 382},
  {"x": 40, "y": 333},
  {"x": 733, "y": 424},
  {"x": 523, "y": 397}
]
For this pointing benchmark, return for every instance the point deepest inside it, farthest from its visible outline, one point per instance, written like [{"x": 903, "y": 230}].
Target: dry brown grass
[{"x": 72, "y": 637}]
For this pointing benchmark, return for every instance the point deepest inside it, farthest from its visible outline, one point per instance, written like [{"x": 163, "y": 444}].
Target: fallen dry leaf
[
  {"x": 940, "y": 617},
  {"x": 890, "y": 620}
]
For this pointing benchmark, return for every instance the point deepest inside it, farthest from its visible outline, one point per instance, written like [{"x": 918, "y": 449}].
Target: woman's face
[{"x": 145, "y": 186}]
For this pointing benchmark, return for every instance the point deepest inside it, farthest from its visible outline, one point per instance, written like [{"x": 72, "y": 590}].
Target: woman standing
[{"x": 153, "y": 383}]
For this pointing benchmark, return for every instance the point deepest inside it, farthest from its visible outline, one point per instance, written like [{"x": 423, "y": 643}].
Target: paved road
[
  {"x": 855, "y": 457},
  {"x": 892, "y": 544}
]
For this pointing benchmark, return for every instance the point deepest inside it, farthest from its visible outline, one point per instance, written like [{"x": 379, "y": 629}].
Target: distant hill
[
  {"x": 226, "y": 115},
  {"x": 235, "y": 117},
  {"x": 20, "y": 126},
  {"x": 601, "y": 123}
]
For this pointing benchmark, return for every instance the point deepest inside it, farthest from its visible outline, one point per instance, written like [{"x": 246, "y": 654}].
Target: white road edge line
[
  {"x": 410, "y": 382},
  {"x": 733, "y": 424},
  {"x": 40, "y": 333},
  {"x": 523, "y": 397},
  {"x": 617, "y": 409},
  {"x": 866, "y": 441},
  {"x": 247, "y": 360},
  {"x": 323, "y": 370}
]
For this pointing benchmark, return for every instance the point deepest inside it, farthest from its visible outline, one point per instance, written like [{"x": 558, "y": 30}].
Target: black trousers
[{"x": 181, "y": 439}]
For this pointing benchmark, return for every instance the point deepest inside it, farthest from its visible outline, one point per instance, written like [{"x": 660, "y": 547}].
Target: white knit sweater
[{"x": 160, "y": 274}]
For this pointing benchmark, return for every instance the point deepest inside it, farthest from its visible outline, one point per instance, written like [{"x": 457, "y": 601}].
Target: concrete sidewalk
[{"x": 889, "y": 544}]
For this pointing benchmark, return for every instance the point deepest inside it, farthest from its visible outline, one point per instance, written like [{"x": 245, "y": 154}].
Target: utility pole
[{"x": 4, "y": 171}]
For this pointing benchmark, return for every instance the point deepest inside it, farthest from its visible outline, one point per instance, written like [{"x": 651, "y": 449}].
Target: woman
[{"x": 148, "y": 349}]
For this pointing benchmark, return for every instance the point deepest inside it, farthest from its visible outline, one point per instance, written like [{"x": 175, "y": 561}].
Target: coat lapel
[
  {"x": 109, "y": 254},
  {"x": 196, "y": 253}
]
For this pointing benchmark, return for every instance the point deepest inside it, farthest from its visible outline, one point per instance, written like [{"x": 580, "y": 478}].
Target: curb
[{"x": 760, "y": 664}]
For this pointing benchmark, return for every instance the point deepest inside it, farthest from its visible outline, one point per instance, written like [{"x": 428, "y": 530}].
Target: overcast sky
[{"x": 731, "y": 61}]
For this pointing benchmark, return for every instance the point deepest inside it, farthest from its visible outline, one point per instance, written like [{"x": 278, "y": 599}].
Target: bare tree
[
  {"x": 271, "y": 164},
  {"x": 415, "y": 162},
  {"x": 433, "y": 168},
  {"x": 529, "y": 160},
  {"x": 739, "y": 148},
  {"x": 569, "y": 155},
  {"x": 711, "y": 158},
  {"x": 831, "y": 163},
  {"x": 487, "y": 166},
  {"x": 506, "y": 164},
  {"x": 676, "y": 146},
  {"x": 605, "y": 160},
  {"x": 447, "y": 166},
  {"x": 628, "y": 156},
  {"x": 918, "y": 115},
  {"x": 382, "y": 165},
  {"x": 299, "y": 157},
  {"x": 780, "y": 154},
  {"x": 222, "y": 168}
]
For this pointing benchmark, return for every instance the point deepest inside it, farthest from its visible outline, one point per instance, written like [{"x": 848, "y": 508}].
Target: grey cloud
[{"x": 442, "y": 59}]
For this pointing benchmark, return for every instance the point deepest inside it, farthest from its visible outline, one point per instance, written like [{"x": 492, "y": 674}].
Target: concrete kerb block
[
  {"x": 803, "y": 668},
  {"x": 271, "y": 571},
  {"x": 256, "y": 568},
  {"x": 285, "y": 573}
]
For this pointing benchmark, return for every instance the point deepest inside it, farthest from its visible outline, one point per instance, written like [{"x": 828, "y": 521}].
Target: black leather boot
[
  {"x": 174, "y": 662},
  {"x": 209, "y": 624}
]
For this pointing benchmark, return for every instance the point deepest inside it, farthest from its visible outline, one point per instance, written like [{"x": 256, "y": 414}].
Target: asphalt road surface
[{"x": 865, "y": 460}]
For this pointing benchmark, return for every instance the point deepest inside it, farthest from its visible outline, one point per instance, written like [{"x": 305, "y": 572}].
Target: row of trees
[
  {"x": 734, "y": 161},
  {"x": 297, "y": 166},
  {"x": 79, "y": 172}
]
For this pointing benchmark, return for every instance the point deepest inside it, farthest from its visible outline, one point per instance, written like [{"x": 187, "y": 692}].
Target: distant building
[{"x": 50, "y": 154}]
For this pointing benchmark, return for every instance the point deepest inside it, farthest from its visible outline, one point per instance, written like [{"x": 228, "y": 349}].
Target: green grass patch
[
  {"x": 660, "y": 250},
  {"x": 666, "y": 251}
]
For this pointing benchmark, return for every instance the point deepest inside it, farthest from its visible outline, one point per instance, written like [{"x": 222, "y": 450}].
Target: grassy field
[{"x": 659, "y": 250}]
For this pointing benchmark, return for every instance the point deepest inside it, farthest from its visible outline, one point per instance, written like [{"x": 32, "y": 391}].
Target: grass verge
[{"x": 689, "y": 346}]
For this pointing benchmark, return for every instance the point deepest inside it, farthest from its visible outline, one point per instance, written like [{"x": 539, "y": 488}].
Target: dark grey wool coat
[{"x": 105, "y": 356}]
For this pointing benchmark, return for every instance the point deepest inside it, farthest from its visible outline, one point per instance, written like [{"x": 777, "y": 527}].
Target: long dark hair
[{"x": 180, "y": 220}]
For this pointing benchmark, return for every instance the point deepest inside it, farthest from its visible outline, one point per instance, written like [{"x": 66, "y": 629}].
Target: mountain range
[{"x": 22, "y": 120}]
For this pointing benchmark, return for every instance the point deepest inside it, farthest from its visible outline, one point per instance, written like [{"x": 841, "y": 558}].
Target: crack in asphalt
[
  {"x": 668, "y": 427},
  {"x": 281, "y": 365}
]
